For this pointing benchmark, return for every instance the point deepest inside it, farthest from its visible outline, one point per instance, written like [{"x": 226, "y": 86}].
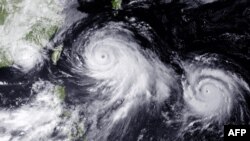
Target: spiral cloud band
[
  {"x": 147, "y": 71},
  {"x": 211, "y": 91},
  {"x": 124, "y": 73}
]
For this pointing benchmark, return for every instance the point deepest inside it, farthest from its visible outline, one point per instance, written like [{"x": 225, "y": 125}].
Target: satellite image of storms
[{"x": 124, "y": 70}]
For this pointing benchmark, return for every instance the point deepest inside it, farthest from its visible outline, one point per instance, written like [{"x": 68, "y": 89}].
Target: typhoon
[
  {"x": 132, "y": 70},
  {"x": 120, "y": 78}
]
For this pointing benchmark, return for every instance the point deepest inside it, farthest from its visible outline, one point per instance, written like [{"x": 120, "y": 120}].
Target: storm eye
[{"x": 102, "y": 56}]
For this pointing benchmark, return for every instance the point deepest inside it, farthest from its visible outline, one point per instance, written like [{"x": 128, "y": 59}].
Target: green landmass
[
  {"x": 77, "y": 133},
  {"x": 3, "y": 11},
  {"x": 56, "y": 55},
  {"x": 5, "y": 61},
  {"x": 116, "y": 4},
  {"x": 60, "y": 91},
  {"x": 40, "y": 32},
  {"x": 7, "y": 8}
]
